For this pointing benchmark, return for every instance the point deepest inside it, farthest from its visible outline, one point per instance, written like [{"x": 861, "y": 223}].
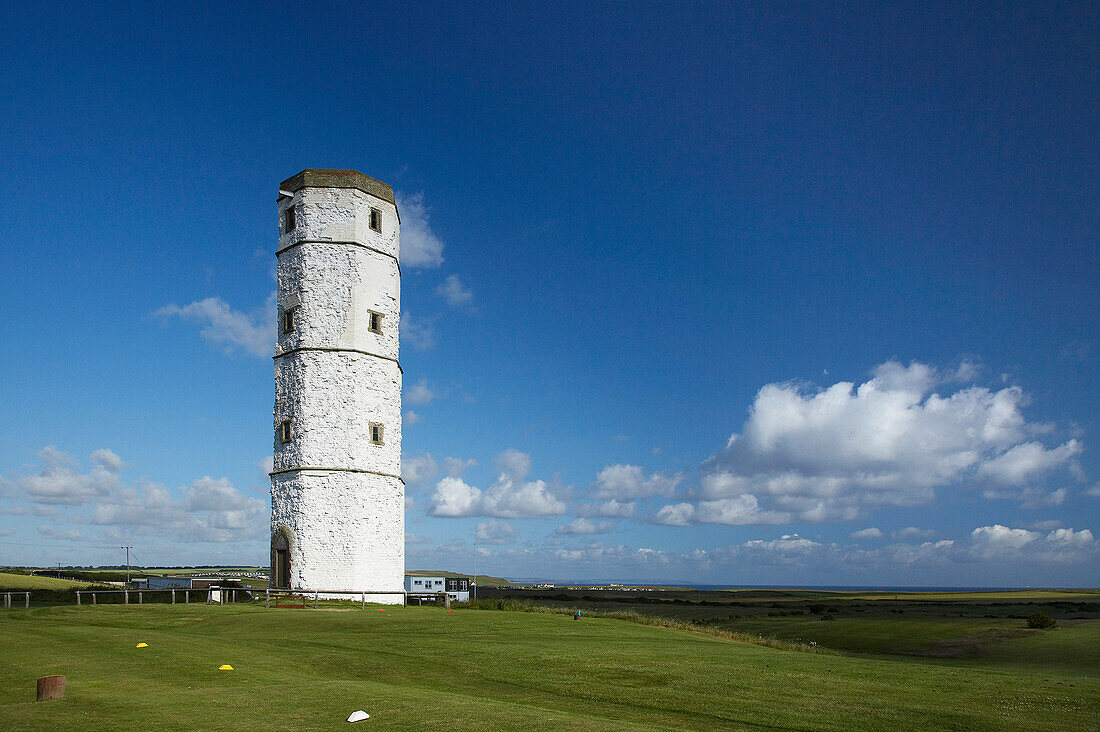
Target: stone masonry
[{"x": 337, "y": 498}]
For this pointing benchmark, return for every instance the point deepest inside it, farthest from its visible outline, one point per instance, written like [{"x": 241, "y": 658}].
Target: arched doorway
[{"x": 280, "y": 559}]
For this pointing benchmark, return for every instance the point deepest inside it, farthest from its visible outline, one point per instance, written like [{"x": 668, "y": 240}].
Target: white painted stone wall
[{"x": 338, "y": 495}]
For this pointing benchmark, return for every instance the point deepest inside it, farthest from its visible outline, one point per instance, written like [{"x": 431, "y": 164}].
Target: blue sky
[{"x": 714, "y": 293}]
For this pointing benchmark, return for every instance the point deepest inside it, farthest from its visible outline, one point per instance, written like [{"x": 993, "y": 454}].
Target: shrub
[{"x": 1040, "y": 620}]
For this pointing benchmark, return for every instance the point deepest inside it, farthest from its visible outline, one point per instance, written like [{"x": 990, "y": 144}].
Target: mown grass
[{"x": 477, "y": 669}]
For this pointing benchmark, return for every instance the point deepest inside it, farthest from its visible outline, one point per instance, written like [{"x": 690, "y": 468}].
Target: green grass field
[
  {"x": 16, "y": 582},
  {"x": 480, "y": 669}
]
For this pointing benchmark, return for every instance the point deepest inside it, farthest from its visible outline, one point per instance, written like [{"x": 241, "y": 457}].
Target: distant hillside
[
  {"x": 482, "y": 579},
  {"x": 32, "y": 582}
]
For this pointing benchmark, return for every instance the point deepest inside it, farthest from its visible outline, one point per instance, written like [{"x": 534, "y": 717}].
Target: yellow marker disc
[
  {"x": 142, "y": 645},
  {"x": 226, "y": 667}
]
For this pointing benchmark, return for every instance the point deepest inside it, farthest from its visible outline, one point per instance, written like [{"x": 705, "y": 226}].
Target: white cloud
[
  {"x": 456, "y": 467},
  {"x": 419, "y": 393},
  {"x": 1028, "y": 460},
  {"x": 868, "y": 533},
  {"x": 788, "y": 545},
  {"x": 209, "y": 510},
  {"x": 830, "y": 454},
  {"x": 609, "y": 509},
  {"x": 419, "y": 469},
  {"x": 1031, "y": 498},
  {"x": 420, "y": 247},
  {"x": 50, "y": 532},
  {"x": 108, "y": 460},
  {"x": 583, "y": 526},
  {"x": 417, "y": 333},
  {"x": 998, "y": 539},
  {"x": 510, "y": 496},
  {"x": 495, "y": 531},
  {"x": 913, "y": 532},
  {"x": 1093, "y": 491},
  {"x": 454, "y": 292},
  {"x": 515, "y": 463},
  {"x": 417, "y": 538},
  {"x": 1070, "y": 538},
  {"x": 410, "y": 417},
  {"x": 625, "y": 482},
  {"x": 735, "y": 511},
  {"x": 253, "y": 333},
  {"x": 58, "y": 482}
]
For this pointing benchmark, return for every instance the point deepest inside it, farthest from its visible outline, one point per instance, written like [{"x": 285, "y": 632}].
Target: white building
[
  {"x": 457, "y": 588},
  {"x": 337, "y": 498}
]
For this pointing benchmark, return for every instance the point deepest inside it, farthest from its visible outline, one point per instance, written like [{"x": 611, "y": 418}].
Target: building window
[
  {"x": 376, "y": 433},
  {"x": 288, "y": 320},
  {"x": 376, "y": 220},
  {"x": 376, "y": 323},
  {"x": 291, "y": 220},
  {"x": 286, "y": 432}
]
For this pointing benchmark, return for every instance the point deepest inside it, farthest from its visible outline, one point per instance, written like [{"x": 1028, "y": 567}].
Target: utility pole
[{"x": 127, "y": 548}]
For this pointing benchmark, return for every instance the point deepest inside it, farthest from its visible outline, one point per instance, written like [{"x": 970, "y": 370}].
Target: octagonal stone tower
[{"x": 337, "y": 498}]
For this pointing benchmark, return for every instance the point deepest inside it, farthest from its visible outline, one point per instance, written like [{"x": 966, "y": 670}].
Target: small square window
[
  {"x": 286, "y": 432},
  {"x": 376, "y": 220},
  {"x": 376, "y": 323},
  {"x": 376, "y": 433},
  {"x": 291, "y": 220},
  {"x": 288, "y": 320}
]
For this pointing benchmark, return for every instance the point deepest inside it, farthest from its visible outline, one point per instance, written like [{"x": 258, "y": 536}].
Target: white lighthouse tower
[{"x": 337, "y": 498}]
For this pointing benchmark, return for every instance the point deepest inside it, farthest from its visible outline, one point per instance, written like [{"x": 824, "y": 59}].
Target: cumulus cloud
[
  {"x": 509, "y": 496},
  {"x": 456, "y": 467},
  {"x": 1028, "y": 460},
  {"x": 626, "y": 482},
  {"x": 583, "y": 526},
  {"x": 829, "y": 454},
  {"x": 420, "y": 247},
  {"x": 253, "y": 333},
  {"x": 417, "y": 333},
  {"x": 418, "y": 469},
  {"x": 419, "y": 393},
  {"x": 208, "y": 510},
  {"x": 410, "y": 417},
  {"x": 609, "y": 509},
  {"x": 998, "y": 539},
  {"x": 454, "y": 292},
  {"x": 1030, "y": 498},
  {"x": 495, "y": 531},
  {"x": 868, "y": 533},
  {"x": 58, "y": 481},
  {"x": 736, "y": 511}
]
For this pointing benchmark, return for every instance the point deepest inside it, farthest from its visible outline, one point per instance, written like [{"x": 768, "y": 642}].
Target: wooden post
[
  {"x": 140, "y": 595},
  {"x": 267, "y": 597},
  {"x": 51, "y": 687},
  {"x": 173, "y": 597},
  {"x": 78, "y": 597},
  {"x": 186, "y": 597},
  {"x": 27, "y": 599},
  {"x": 234, "y": 596},
  {"x": 126, "y": 597},
  {"x": 93, "y": 598}
]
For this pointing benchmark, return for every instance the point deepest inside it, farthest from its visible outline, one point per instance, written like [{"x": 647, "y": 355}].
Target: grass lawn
[{"x": 422, "y": 667}]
